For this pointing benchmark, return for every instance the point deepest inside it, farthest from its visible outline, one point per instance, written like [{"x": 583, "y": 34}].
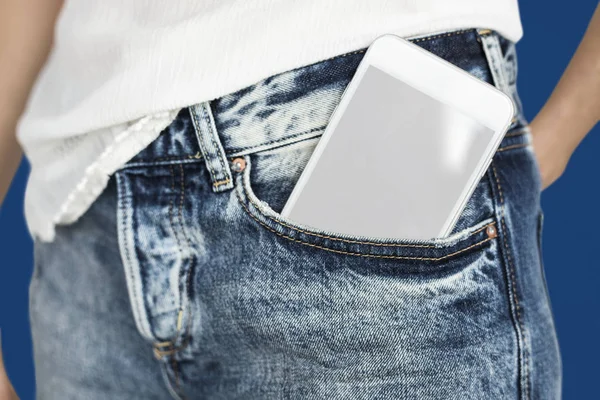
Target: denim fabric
[{"x": 183, "y": 280}]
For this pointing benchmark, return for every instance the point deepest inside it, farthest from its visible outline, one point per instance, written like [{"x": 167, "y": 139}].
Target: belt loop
[
  {"x": 495, "y": 58},
  {"x": 211, "y": 147}
]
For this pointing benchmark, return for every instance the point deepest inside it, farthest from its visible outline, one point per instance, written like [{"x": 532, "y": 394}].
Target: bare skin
[
  {"x": 26, "y": 28},
  {"x": 573, "y": 108}
]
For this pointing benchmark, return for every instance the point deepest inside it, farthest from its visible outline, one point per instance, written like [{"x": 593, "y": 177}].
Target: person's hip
[{"x": 235, "y": 301}]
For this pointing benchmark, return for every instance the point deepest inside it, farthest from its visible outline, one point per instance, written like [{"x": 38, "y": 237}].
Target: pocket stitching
[
  {"x": 523, "y": 371},
  {"x": 522, "y": 131},
  {"x": 513, "y": 147},
  {"x": 363, "y": 254},
  {"x": 245, "y": 181}
]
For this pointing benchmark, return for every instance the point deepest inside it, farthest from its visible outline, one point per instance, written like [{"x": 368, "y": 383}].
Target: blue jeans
[{"x": 183, "y": 281}]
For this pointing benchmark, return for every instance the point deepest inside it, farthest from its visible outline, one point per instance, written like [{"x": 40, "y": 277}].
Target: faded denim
[{"x": 183, "y": 281}]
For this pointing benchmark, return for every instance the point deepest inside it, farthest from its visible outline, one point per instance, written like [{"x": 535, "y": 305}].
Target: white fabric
[{"x": 116, "y": 61}]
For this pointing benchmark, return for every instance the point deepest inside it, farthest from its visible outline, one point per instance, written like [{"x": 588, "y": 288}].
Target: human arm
[
  {"x": 573, "y": 108},
  {"x": 26, "y": 30}
]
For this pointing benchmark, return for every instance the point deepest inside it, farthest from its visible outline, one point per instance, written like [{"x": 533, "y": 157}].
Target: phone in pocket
[{"x": 403, "y": 150}]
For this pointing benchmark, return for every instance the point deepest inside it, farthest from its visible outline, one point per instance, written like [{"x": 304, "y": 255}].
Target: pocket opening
[{"x": 435, "y": 250}]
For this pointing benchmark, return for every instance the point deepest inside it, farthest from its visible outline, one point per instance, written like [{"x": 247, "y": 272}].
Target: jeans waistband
[{"x": 296, "y": 105}]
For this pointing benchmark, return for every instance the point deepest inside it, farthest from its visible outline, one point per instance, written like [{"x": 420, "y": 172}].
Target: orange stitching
[
  {"x": 179, "y": 320},
  {"x": 159, "y": 353},
  {"x": 513, "y": 279},
  {"x": 223, "y": 182},
  {"x": 512, "y": 147},
  {"x": 420, "y": 246},
  {"x": 361, "y": 254},
  {"x": 519, "y": 132}
]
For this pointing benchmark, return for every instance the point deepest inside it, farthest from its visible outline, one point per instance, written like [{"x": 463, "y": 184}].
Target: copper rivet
[
  {"x": 491, "y": 231},
  {"x": 238, "y": 164}
]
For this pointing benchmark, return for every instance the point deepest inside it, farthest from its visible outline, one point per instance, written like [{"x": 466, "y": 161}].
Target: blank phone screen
[{"x": 396, "y": 165}]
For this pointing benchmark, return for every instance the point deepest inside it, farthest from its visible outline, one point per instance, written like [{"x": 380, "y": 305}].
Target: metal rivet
[
  {"x": 238, "y": 164},
  {"x": 491, "y": 231}
]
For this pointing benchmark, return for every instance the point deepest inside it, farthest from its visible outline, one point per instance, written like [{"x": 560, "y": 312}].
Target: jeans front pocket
[
  {"x": 360, "y": 316},
  {"x": 269, "y": 177}
]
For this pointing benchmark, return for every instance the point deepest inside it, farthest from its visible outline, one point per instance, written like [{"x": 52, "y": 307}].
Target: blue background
[{"x": 553, "y": 30}]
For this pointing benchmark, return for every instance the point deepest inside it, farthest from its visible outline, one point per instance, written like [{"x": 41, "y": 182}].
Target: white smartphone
[{"x": 404, "y": 149}]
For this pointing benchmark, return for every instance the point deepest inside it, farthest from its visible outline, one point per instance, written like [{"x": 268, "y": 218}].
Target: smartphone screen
[{"x": 396, "y": 165}]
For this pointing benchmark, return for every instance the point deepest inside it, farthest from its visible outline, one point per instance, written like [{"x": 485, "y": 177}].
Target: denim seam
[
  {"x": 220, "y": 174},
  {"x": 539, "y": 227},
  {"x": 175, "y": 372},
  {"x": 521, "y": 131},
  {"x": 349, "y": 241},
  {"x": 181, "y": 224},
  {"x": 159, "y": 162},
  {"x": 542, "y": 269},
  {"x": 192, "y": 264},
  {"x": 285, "y": 385},
  {"x": 493, "y": 53},
  {"x": 240, "y": 151},
  {"x": 171, "y": 207},
  {"x": 442, "y": 35},
  {"x": 513, "y": 147},
  {"x": 139, "y": 314},
  {"x": 503, "y": 75},
  {"x": 287, "y": 141},
  {"x": 289, "y": 137},
  {"x": 217, "y": 146},
  {"x": 477, "y": 244},
  {"x": 164, "y": 367},
  {"x": 519, "y": 327},
  {"x": 175, "y": 367},
  {"x": 171, "y": 363},
  {"x": 159, "y": 353},
  {"x": 127, "y": 255},
  {"x": 200, "y": 137}
]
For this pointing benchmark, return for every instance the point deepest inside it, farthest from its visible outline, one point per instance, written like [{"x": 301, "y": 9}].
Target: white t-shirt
[{"x": 120, "y": 71}]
